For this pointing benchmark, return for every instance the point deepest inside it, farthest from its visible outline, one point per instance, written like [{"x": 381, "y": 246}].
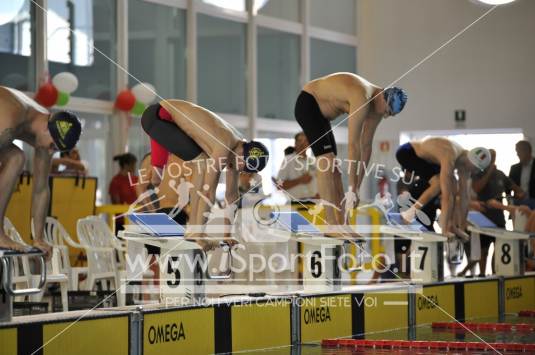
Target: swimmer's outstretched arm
[
  {"x": 211, "y": 179},
  {"x": 442, "y": 152},
  {"x": 430, "y": 193},
  {"x": 447, "y": 188},
  {"x": 366, "y": 144},
  {"x": 465, "y": 183},
  {"x": 212, "y": 171},
  {"x": 197, "y": 179},
  {"x": 356, "y": 168},
  {"x": 231, "y": 195},
  {"x": 41, "y": 196}
]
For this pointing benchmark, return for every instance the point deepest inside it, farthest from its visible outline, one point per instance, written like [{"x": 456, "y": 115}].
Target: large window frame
[{"x": 251, "y": 122}]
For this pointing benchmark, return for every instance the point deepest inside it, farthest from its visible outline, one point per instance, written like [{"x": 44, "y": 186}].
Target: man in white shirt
[
  {"x": 297, "y": 173},
  {"x": 523, "y": 173}
]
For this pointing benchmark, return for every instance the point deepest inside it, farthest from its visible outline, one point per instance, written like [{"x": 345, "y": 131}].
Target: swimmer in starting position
[
  {"x": 320, "y": 102},
  {"x": 197, "y": 135},
  {"x": 436, "y": 160},
  {"x": 24, "y": 119}
]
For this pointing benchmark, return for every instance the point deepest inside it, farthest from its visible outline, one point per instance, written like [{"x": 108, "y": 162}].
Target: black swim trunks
[
  {"x": 409, "y": 161},
  {"x": 316, "y": 127},
  {"x": 168, "y": 134}
]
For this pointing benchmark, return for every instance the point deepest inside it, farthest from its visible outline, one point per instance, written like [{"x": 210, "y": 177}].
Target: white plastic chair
[
  {"x": 102, "y": 228},
  {"x": 56, "y": 235},
  {"x": 55, "y": 272},
  {"x": 101, "y": 257}
]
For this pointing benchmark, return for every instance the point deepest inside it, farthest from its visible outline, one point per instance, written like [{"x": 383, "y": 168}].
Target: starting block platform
[
  {"x": 238, "y": 323},
  {"x": 509, "y": 247}
]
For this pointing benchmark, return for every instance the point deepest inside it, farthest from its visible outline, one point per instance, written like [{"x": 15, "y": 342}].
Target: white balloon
[
  {"x": 144, "y": 93},
  {"x": 9, "y": 10},
  {"x": 65, "y": 82}
]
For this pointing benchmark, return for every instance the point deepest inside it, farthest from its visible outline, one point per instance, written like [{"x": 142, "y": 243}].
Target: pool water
[{"x": 421, "y": 333}]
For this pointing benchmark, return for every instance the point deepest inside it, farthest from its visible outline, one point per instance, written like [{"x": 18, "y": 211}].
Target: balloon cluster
[
  {"x": 136, "y": 100},
  {"x": 58, "y": 92}
]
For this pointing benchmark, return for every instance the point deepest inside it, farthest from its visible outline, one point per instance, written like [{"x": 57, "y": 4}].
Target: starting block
[
  {"x": 520, "y": 221},
  {"x": 322, "y": 256},
  {"x": 6, "y": 287},
  {"x": 508, "y": 248},
  {"x": 321, "y": 271},
  {"x": 183, "y": 264},
  {"x": 427, "y": 249}
]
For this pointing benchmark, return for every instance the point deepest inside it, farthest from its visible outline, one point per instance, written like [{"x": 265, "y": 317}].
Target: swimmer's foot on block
[
  {"x": 8, "y": 244},
  {"x": 342, "y": 232},
  {"x": 462, "y": 235},
  {"x": 44, "y": 247},
  {"x": 209, "y": 243}
]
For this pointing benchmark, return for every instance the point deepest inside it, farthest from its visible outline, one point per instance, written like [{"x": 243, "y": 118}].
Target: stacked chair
[
  {"x": 105, "y": 256},
  {"x": 24, "y": 277}
]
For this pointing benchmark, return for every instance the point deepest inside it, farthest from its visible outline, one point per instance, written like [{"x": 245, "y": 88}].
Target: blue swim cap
[
  {"x": 396, "y": 100},
  {"x": 255, "y": 155}
]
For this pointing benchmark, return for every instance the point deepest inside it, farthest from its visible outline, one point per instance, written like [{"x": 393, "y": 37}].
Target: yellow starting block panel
[
  {"x": 8, "y": 341},
  {"x": 435, "y": 304},
  {"x": 181, "y": 331},
  {"x": 385, "y": 310},
  {"x": 480, "y": 299},
  {"x": 519, "y": 294},
  {"x": 107, "y": 335},
  {"x": 261, "y": 325},
  {"x": 325, "y": 317}
]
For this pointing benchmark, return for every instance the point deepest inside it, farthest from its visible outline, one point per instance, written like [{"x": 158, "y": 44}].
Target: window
[
  {"x": 93, "y": 146},
  {"x": 283, "y": 9},
  {"x": 276, "y": 153},
  {"x": 339, "y": 15},
  {"x": 157, "y": 47},
  {"x": 328, "y": 57},
  {"x": 138, "y": 141},
  {"x": 74, "y": 26},
  {"x": 221, "y": 65},
  {"x": 16, "y": 45},
  {"x": 237, "y": 5},
  {"x": 278, "y": 73}
]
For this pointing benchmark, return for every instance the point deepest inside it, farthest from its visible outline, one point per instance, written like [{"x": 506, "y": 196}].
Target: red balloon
[
  {"x": 47, "y": 95},
  {"x": 125, "y": 101}
]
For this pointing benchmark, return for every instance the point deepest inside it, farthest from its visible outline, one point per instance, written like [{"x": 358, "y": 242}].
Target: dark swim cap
[
  {"x": 255, "y": 155},
  {"x": 396, "y": 99},
  {"x": 65, "y": 129}
]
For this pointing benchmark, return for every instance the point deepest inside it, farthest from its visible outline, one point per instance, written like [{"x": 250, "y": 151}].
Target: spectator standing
[
  {"x": 122, "y": 188},
  {"x": 490, "y": 187},
  {"x": 297, "y": 173},
  {"x": 523, "y": 174}
]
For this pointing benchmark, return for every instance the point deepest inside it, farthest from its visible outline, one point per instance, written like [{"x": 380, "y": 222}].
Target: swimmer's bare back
[
  {"x": 14, "y": 116},
  {"x": 437, "y": 150},
  {"x": 207, "y": 129},
  {"x": 341, "y": 93}
]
